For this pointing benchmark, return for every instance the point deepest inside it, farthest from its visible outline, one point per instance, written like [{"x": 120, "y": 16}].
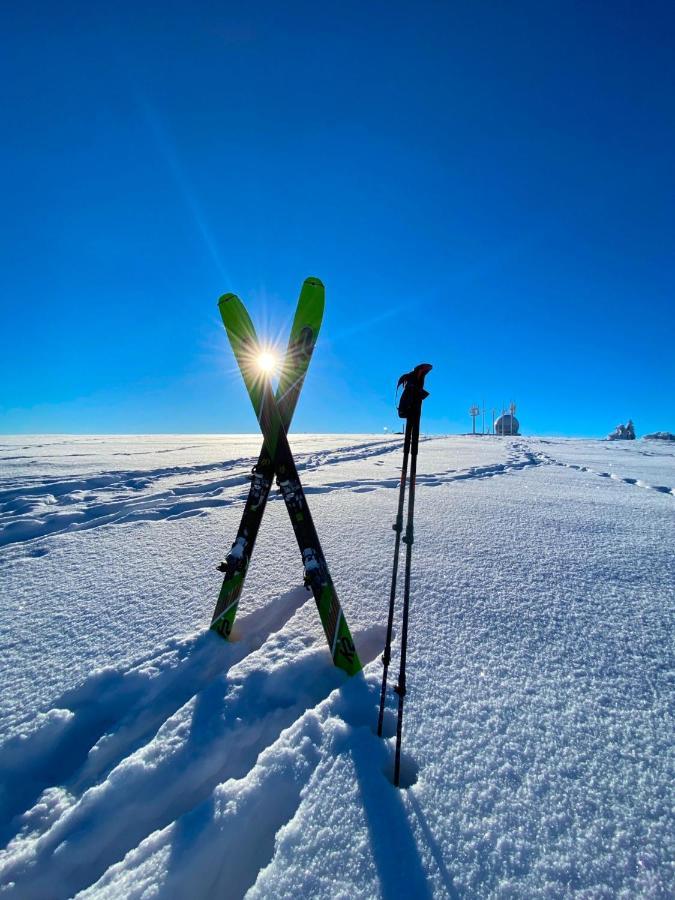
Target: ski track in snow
[
  {"x": 615, "y": 476},
  {"x": 188, "y": 772},
  {"x": 29, "y": 512},
  {"x": 35, "y": 508}
]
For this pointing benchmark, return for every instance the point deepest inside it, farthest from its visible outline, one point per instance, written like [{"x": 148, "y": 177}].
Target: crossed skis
[{"x": 274, "y": 416}]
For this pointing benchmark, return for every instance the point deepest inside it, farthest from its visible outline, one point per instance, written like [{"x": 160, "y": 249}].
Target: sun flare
[{"x": 267, "y": 362}]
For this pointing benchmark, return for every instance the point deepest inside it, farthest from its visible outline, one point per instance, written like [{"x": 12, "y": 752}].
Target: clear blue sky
[{"x": 485, "y": 186}]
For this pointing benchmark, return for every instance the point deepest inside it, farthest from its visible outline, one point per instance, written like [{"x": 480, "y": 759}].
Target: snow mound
[
  {"x": 659, "y": 436},
  {"x": 623, "y": 432}
]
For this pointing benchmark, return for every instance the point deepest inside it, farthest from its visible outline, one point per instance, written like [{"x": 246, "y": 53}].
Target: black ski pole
[
  {"x": 398, "y": 528},
  {"x": 408, "y": 540},
  {"x": 416, "y": 385}
]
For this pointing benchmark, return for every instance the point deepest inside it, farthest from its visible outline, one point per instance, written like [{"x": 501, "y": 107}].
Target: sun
[{"x": 267, "y": 362}]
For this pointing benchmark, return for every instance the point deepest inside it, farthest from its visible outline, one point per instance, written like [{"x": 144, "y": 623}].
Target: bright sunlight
[{"x": 267, "y": 362}]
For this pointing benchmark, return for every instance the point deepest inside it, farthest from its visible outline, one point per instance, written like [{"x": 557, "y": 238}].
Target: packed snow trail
[{"x": 141, "y": 754}]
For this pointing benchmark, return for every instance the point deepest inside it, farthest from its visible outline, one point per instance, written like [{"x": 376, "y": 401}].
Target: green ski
[
  {"x": 304, "y": 333},
  {"x": 243, "y": 340}
]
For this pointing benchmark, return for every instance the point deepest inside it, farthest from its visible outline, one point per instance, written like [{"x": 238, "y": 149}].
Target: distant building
[{"x": 507, "y": 424}]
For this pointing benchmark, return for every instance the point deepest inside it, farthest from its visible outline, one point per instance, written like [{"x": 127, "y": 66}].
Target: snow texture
[{"x": 143, "y": 756}]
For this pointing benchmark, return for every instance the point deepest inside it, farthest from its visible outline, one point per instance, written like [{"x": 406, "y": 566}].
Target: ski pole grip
[
  {"x": 420, "y": 373},
  {"x": 413, "y": 394}
]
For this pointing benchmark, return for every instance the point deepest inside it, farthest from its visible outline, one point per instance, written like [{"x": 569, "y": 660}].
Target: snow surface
[{"x": 143, "y": 756}]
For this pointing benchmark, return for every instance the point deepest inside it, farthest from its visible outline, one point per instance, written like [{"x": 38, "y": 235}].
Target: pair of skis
[{"x": 274, "y": 413}]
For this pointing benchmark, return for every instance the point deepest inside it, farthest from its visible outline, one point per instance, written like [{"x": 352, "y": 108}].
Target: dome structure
[{"x": 507, "y": 424}]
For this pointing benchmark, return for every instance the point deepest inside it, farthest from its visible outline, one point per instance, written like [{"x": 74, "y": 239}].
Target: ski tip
[
  {"x": 315, "y": 282},
  {"x": 226, "y": 298}
]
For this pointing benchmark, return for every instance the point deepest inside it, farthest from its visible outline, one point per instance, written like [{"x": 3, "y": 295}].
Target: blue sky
[{"x": 485, "y": 186}]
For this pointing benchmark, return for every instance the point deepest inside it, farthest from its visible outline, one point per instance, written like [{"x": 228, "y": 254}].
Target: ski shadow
[
  {"x": 266, "y": 705},
  {"x": 90, "y": 729},
  {"x": 255, "y": 711}
]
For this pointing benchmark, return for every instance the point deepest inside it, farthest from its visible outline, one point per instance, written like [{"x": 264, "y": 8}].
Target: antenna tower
[{"x": 474, "y": 411}]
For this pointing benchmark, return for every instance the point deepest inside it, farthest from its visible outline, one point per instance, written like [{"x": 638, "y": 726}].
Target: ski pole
[
  {"x": 410, "y": 409},
  {"x": 408, "y": 540},
  {"x": 398, "y": 528}
]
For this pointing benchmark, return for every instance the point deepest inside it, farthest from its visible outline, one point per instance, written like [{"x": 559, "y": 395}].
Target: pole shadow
[
  {"x": 395, "y": 853},
  {"x": 435, "y": 849}
]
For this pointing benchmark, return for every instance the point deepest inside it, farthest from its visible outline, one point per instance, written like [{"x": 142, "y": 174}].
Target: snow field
[{"x": 538, "y": 723}]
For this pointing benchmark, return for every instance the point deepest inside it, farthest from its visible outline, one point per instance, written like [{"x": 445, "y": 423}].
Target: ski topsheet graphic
[
  {"x": 273, "y": 415},
  {"x": 304, "y": 333}
]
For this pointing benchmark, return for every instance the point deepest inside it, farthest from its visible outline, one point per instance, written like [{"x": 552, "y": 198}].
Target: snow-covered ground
[{"x": 143, "y": 756}]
